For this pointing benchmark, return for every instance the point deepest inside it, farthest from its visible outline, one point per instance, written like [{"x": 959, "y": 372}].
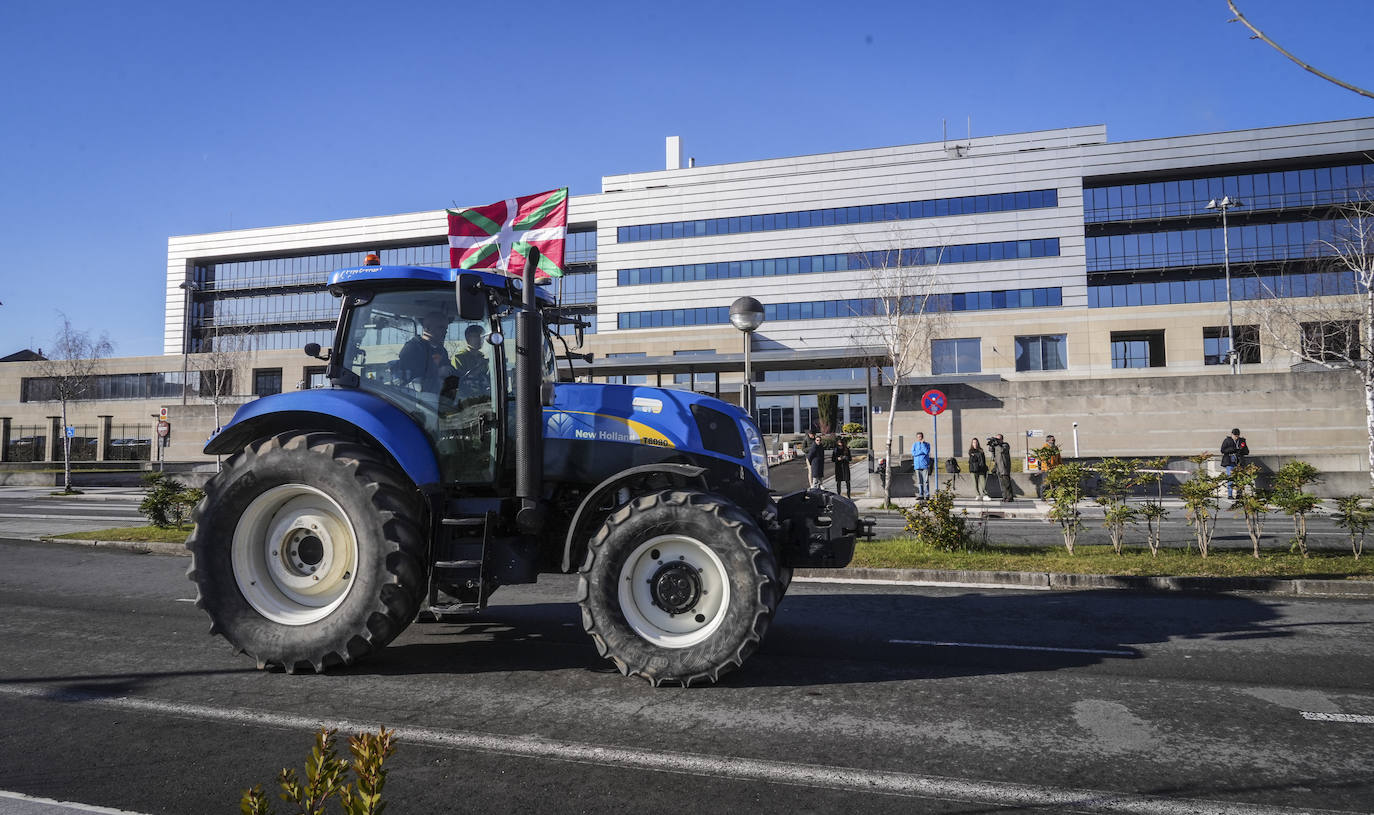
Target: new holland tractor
[{"x": 444, "y": 461}]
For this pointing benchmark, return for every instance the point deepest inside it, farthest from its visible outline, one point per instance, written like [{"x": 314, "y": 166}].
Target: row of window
[
  {"x": 315, "y": 269},
  {"x": 165, "y": 385},
  {"x": 1334, "y": 341},
  {"x": 267, "y": 309},
  {"x": 1256, "y": 191},
  {"x": 1196, "y": 247},
  {"x": 798, "y": 413},
  {"x": 1213, "y": 290},
  {"x": 841, "y": 216},
  {"x": 964, "y": 355},
  {"x": 846, "y": 261},
  {"x": 836, "y": 309}
]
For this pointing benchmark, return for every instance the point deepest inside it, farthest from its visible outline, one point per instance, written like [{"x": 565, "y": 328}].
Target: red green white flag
[{"x": 498, "y": 236}]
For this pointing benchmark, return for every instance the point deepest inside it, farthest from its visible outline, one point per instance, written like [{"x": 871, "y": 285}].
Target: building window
[
  {"x": 1138, "y": 349},
  {"x": 840, "y": 216},
  {"x": 776, "y": 414},
  {"x": 266, "y": 381},
  {"x": 1215, "y": 343},
  {"x": 1332, "y": 341},
  {"x": 315, "y": 378},
  {"x": 1047, "y": 352},
  {"x": 961, "y": 356}
]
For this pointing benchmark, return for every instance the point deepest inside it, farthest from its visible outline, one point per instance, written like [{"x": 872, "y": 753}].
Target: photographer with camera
[{"x": 1001, "y": 460}]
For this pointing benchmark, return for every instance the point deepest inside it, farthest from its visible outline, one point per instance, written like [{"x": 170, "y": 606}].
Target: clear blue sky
[{"x": 126, "y": 123}]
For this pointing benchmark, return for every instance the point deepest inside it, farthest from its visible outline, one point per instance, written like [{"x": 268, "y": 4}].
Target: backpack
[{"x": 952, "y": 465}]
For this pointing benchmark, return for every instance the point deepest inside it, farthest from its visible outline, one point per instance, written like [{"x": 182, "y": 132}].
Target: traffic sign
[
  {"x": 164, "y": 429},
  {"x": 162, "y": 414},
  {"x": 933, "y": 402},
  {"x": 71, "y": 432}
]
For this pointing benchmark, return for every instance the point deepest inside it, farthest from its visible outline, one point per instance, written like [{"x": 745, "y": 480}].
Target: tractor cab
[{"x": 404, "y": 337}]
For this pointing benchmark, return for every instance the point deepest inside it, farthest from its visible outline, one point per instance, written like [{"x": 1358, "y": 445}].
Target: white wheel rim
[
  {"x": 656, "y": 624},
  {"x": 294, "y": 554}
]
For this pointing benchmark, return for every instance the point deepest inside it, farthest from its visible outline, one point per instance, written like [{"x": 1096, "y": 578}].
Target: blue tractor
[{"x": 444, "y": 461}]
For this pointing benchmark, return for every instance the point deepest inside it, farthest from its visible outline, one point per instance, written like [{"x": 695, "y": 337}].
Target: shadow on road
[{"x": 856, "y": 637}]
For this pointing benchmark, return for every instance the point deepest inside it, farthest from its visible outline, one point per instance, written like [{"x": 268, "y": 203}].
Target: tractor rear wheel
[
  {"x": 678, "y": 587},
  {"x": 306, "y": 552}
]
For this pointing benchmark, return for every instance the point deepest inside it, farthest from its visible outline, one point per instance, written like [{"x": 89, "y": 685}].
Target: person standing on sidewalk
[
  {"x": 1052, "y": 458},
  {"x": 1233, "y": 453},
  {"x": 815, "y": 459},
  {"x": 978, "y": 468},
  {"x": 1001, "y": 459},
  {"x": 841, "y": 457},
  {"x": 921, "y": 459}
]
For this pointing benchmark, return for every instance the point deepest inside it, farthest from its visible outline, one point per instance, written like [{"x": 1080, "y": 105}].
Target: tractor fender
[
  {"x": 338, "y": 410},
  {"x": 605, "y": 488}
]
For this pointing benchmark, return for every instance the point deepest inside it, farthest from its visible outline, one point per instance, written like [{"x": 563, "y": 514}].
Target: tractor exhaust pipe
[{"x": 529, "y": 409}]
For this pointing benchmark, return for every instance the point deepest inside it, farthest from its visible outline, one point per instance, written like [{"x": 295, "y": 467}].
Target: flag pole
[{"x": 529, "y": 409}]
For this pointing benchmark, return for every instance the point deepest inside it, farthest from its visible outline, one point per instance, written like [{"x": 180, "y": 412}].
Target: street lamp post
[
  {"x": 746, "y": 314},
  {"x": 1225, "y": 204},
  {"x": 187, "y": 286}
]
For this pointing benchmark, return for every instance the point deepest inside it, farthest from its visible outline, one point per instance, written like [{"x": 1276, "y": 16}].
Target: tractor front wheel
[
  {"x": 307, "y": 553},
  {"x": 678, "y": 587}
]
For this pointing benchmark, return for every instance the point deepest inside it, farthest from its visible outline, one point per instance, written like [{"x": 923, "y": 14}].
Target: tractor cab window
[{"x": 411, "y": 349}]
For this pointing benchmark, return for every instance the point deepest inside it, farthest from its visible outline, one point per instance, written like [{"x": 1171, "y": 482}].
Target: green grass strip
[{"x": 133, "y": 533}]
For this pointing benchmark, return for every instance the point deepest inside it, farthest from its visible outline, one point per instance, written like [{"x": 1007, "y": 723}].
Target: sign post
[{"x": 933, "y": 402}]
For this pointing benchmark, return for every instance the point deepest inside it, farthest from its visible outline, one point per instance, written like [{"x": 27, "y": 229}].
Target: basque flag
[{"x": 498, "y": 236}]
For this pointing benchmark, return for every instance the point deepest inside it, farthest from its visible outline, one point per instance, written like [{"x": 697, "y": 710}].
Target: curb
[
  {"x": 1054, "y": 581},
  {"x": 137, "y": 547}
]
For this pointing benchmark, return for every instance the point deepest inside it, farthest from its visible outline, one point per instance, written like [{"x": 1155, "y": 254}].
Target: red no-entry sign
[{"x": 933, "y": 402}]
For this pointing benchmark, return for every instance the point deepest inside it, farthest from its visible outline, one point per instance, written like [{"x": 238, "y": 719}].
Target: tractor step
[
  {"x": 459, "y": 567},
  {"x": 443, "y": 612},
  {"x": 459, "y": 564},
  {"x": 482, "y": 521}
]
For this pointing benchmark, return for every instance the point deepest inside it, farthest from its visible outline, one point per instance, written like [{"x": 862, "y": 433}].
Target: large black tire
[
  {"x": 307, "y": 552},
  {"x": 678, "y": 587}
]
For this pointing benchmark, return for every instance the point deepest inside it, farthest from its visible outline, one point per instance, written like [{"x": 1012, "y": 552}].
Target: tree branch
[{"x": 1260, "y": 35}]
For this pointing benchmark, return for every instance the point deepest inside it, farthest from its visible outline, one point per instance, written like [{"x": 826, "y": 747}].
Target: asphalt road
[{"x": 113, "y": 695}]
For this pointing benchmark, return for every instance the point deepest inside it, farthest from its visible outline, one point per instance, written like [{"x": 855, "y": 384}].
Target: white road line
[
  {"x": 1104, "y": 652},
  {"x": 186, "y": 599},
  {"x": 844, "y": 779},
  {"x": 44, "y": 805},
  {"x": 1351, "y": 718},
  {"x": 941, "y": 584}
]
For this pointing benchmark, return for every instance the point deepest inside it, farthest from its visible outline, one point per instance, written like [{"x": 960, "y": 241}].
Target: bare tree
[
  {"x": 222, "y": 362},
  {"x": 901, "y": 317},
  {"x": 1256, "y": 34},
  {"x": 72, "y": 366},
  {"x": 1333, "y": 327}
]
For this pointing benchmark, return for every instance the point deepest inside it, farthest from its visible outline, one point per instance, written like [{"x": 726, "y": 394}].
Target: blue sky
[{"x": 126, "y": 123}]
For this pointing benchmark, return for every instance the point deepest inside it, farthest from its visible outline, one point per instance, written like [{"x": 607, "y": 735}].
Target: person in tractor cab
[
  {"x": 472, "y": 365},
  {"x": 423, "y": 358}
]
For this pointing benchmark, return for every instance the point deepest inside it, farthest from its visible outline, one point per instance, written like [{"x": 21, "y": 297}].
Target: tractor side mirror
[
  {"x": 472, "y": 301},
  {"x": 312, "y": 349},
  {"x": 580, "y": 335}
]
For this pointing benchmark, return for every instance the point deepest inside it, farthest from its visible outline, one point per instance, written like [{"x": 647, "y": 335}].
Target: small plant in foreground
[
  {"x": 1354, "y": 514},
  {"x": 1295, "y": 503},
  {"x": 326, "y": 777},
  {"x": 1115, "y": 478}
]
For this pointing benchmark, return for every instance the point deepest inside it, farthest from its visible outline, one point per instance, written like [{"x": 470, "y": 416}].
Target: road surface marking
[
  {"x": 845, "y": 779},
  {"x": 863, "y": 581},
  {"x": 1104, "y": 652},
  {"x": 1338, "y": 717},
  {"x": 65, "y": 806}
]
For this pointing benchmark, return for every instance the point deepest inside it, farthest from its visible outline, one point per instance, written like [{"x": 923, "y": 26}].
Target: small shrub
[
  {"x": 1200, "y": 500},
  {"x": 858, "y": 443},
  {"x": 1293, "y": 501},
  {"x": 852, "y": 429},
  {"x": 1154, "y": 514},
  {"x": 1251, "y": 502},
  {"x": 326, "y": 777},
  {"x": 935, "y": 523},
  {"x": 1064, "y": 491},
  {"x": 1354, "y": 514}
]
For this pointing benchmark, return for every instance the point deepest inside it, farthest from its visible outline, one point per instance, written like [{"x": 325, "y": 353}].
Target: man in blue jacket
[{"x": 920, "y": 465}]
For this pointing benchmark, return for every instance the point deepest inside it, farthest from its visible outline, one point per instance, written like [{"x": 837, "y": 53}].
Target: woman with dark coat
[
  {"x": 978, "y": 468},
  {"x": 841, "y": 456}
]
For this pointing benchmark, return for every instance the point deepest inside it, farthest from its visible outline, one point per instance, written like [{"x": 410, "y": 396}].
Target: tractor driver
[
  {"x": 423, "y": 358},
  {"x": 472, "y": 365}
]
